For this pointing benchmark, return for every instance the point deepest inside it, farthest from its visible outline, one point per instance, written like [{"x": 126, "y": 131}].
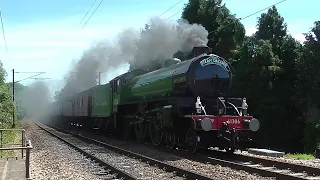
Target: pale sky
[{"x": 46, "y": 35}]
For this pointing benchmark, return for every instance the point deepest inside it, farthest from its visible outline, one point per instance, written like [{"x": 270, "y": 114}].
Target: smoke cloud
[
  {"x": 146, "y": 49},
  {"x": 33, "y": 100}
]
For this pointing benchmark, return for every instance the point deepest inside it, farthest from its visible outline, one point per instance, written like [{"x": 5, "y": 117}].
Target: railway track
[
  {"x": 89, "y": 147},
  {"x": 263, "y": 167},
  {"x": 308, "y": 171},
  {"x": 110, "y": 169}
]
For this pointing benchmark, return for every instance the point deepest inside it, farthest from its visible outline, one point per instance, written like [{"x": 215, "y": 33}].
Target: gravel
[
  {"x": 52, "y": 159},
  {"x": 313, "y": 163},
  {"x": 138, "y": 169},
  {"x": 214, "y": 171},
  {"x": 142, "y": 170}
]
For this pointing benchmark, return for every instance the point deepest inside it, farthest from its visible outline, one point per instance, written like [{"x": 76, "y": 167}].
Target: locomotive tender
[{"x": 182, "y": 104}]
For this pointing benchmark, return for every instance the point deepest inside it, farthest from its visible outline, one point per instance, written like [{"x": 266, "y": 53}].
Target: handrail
[
  {"x": 12, "y": 130},
  {"x": 15, "y": 148},
  {"x": 22, "y": 136},
  {"x": 28, "y": 148},
  {"x": 25, "y": 145}
]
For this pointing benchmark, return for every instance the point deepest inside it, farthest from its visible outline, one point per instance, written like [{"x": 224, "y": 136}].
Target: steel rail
[
  {"x": 229, "y": 161},
  {"x": 151, "y": 161},
  {"x": 297, "y": 168},
  {"x": 94, "y": 158},
  {"x": 225, "y": 160}
]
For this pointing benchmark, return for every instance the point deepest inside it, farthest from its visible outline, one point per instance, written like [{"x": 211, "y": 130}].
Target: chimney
[{"x": 198, "y": 50}]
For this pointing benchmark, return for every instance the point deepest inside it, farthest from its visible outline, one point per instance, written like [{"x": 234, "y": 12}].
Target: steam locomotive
[{"x": 183, "y": 104}]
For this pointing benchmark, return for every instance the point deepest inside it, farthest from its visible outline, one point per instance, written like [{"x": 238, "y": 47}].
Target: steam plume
[
  {"x": 34, "y": 99},
  {"x": 146, "y": 49}
]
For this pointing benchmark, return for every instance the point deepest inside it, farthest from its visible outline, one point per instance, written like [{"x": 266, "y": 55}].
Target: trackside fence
[{"x": 24, "y": 145}]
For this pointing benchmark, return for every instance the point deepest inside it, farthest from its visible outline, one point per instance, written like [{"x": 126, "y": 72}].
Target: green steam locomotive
[{"x": 184, "y": 104}]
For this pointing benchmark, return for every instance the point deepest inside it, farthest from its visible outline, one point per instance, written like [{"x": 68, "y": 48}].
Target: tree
[
  {"x": 271, "y": 27},
  {"x": 18, "y": 91},
  {"x": 308, "y": 64},
  {"x": 225, "y": 31},
  {"x": 257, "y": 69},
  {"x": 7, "y": 107},
  {"x": 307, "y": 89},
  {"x": 267, "y": 78}
]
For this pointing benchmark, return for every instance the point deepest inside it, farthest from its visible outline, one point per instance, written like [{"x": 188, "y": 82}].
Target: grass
[
  {"x": 300, "y": 156},
  {"x": 10, "y": 137}
]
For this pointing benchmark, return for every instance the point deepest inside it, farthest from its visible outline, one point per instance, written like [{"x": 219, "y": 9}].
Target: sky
[{"x": 46, "y": 36}]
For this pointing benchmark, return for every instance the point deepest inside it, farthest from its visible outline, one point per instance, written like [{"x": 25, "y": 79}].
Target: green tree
[
  {"x": 267, "y": 78},
  {"x": 289, "y": 52},
  {"x": 257, "y": 69},
  {"x": 307, "y": 91},
  {"x": 271, "y": 26},
  {"x": 312, "y": 130},
  {"x": 19, "y": 90},
  {"x": 7, "y": 107},
  {"x": 225, "y": 31}
]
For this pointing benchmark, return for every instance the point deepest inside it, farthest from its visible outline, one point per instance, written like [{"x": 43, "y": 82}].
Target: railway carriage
[{"x": 182, "y": 104}]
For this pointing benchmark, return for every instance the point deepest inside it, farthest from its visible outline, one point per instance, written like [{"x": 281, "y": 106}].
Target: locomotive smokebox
[{"x": 198, "y": 50}]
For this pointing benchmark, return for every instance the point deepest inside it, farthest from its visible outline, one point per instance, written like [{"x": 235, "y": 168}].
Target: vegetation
[
  {"x": 6, "y": 114},
  {"x": 7, "y": 107},
  {"x": 8, "y": 138},
  {"x": 300, "y": 156},
  {"x": 20, "y": 108}
]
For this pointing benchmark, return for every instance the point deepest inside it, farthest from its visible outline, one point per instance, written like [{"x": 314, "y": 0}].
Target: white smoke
[{"x": 141, "y": 49}]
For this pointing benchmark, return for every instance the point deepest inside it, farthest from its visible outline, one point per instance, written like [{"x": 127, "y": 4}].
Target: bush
[{"x": 312, "y": 131}]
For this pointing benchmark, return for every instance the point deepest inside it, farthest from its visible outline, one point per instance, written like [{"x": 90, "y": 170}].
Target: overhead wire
[
  {"x": 163, "y": 13},
  {"x": 262, "y": 10},
  {"x": 242, "y": 18},
  {"x": 245, "y": 17},
  {"x": 87, "y": 12},
  {"x": 5, "y": 41},
  {"x": 170, "y": 8},
  {"x": 92, "y": 14},
  {"x": 174, "y": 14},
  {"x": 30, "y": 77},
  {"x": 4, "y": 36},
  {"x": 124, "y": 65}
]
